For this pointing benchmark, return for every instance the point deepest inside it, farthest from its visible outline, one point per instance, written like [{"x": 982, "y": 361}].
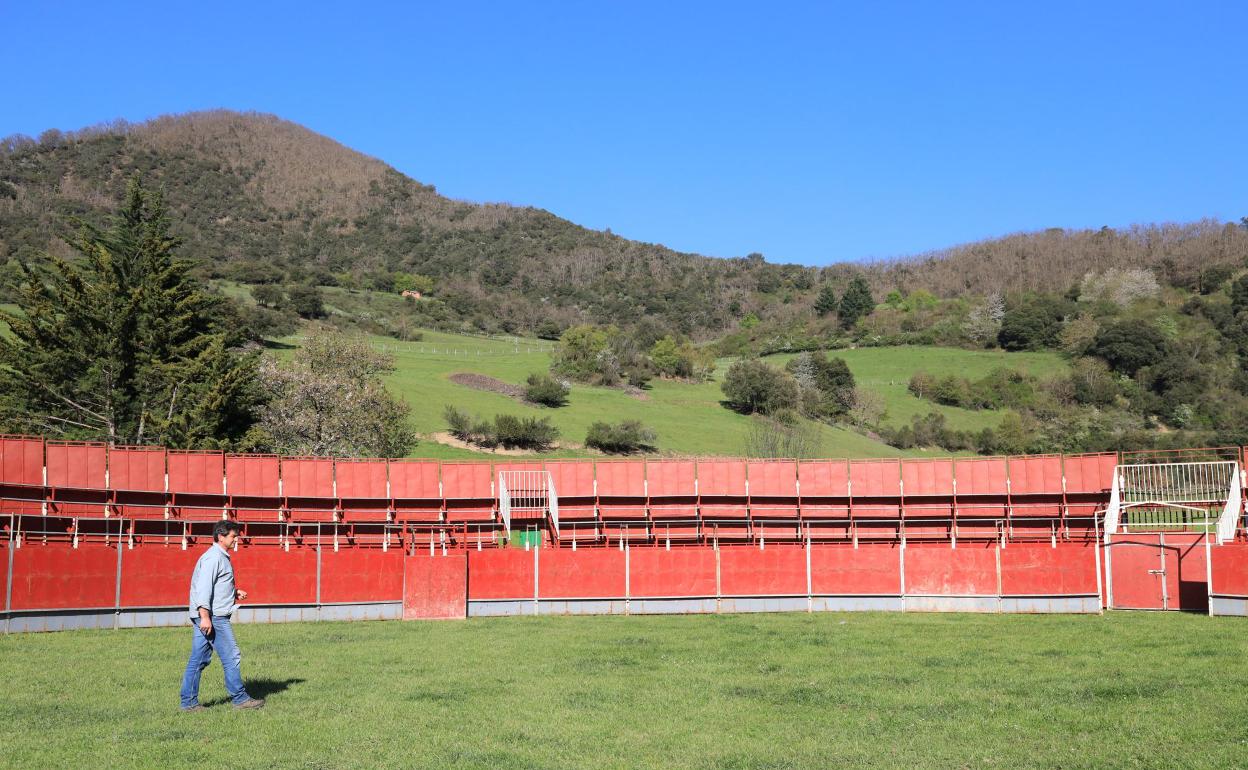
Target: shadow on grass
[
  {"x": 275, "y": 345},
  {"x": 260, "y": 688}
]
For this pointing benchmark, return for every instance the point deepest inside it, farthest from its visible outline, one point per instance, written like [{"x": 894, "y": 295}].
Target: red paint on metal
[
  {"x": 943, "y": 571},
  {"x": 504, "y": 573},
  {"x": 671, "y": 478},
  {"x": 414, "y": 479},
  {"x": 875, "y": 478},
  {"x": 1187, "y": 579},
  {"x": 361, "y": 479},
  {"x": 844, "y": 570},
  {"x": 986, "y": 476},
  {"x": 621, "y": 478},
  {"x": 467, "y": 481},
  {"x": 721, "y": 478},
  {"x": 1135, "y": 566},
  {"x": 824, "y": 478},
  {"x": 1035, "y": 486},
  {"x": 76, "y": 466},
  {"x": 1230, "y": 569},
  {"x": 273, "y": 575},
  {"x": 924, "y": 478},
  {"x": 137, "y": 468},
  {"x": 158, "y": 575},
  {"x": 587, "y": 573},
  {"x": 199, "y": 473},
  {"x": 307, "y": 477},
  {"x": 435, "y": 587},
  {"x": 656, "y": 572},
  {"x": 775, "y": 570},
  {"x": 361, "y": 575},
  {"x": 1039, "y": 569},
  {"x": 572, "y": 479},
  {"x": 773, "y": 478},
  {"x": 56, "y": 576},
  {"x": 21, "y": 460},
  {"x": 251, "y": 475}
]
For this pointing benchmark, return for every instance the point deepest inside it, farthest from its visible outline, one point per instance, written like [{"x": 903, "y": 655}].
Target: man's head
[{"x": 225, "y": 533}]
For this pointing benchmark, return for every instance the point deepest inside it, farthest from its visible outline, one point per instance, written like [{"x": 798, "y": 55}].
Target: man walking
[{"x": 214, "y": 598}]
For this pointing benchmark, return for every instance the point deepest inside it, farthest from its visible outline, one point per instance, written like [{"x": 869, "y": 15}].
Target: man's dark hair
[{"x": 223, "y": 528}]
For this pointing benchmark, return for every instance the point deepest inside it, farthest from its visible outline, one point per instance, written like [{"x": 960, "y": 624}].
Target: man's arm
[{"x": 201, "y": 594}]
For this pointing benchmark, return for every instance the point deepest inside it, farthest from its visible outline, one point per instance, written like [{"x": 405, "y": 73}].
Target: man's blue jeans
[{"x": 201, "y": 655}]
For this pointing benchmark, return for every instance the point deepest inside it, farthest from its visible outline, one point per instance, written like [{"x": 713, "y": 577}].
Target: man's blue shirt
[{"x": 212, "y": 583}]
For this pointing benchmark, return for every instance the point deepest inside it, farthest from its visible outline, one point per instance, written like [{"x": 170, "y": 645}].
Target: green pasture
[
  {"x": 888, "y": 372},
  {"x": 1152, "y": 690}
]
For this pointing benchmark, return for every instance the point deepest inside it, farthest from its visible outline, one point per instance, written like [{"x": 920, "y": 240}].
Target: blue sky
[{"x": 812, "y": 133}]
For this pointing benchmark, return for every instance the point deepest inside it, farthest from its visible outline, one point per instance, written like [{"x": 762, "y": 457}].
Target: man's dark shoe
[
  {"x": 251, "y": 703},
  {"x": 196, "y": 707}
]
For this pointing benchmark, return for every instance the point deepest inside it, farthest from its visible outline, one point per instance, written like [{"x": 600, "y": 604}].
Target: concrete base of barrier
[
  {"x": 857, "y": 604},
  {"x": 152, "y": 617},
  {"x": 1229, "y": 605}
]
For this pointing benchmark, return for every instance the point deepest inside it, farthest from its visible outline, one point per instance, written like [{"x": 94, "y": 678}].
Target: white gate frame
[{"x": 527, "y": 491}]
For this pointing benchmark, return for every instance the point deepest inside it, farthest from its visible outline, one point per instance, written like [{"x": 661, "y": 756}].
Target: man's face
[{"x": 229, "y": 539}]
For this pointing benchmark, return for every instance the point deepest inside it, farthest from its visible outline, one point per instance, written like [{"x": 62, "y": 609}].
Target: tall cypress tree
[
  {"x": 856, "y": 302},
  {"x": 119, "y": 345}
]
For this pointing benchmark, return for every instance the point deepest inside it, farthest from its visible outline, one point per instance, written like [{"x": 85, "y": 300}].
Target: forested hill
[{"x": 262, "y": 200}]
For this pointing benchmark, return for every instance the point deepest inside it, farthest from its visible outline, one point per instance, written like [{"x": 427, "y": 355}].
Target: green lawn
[
  {"x": 745, "y": 691},
  {"x": 888, "y": 371}
]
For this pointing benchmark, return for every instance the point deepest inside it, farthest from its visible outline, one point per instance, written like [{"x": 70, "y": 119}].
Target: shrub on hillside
[
  {"x": 622, "y": 438},
  {"x": 506, "y": 430},
  {"x": 752, "y": 386},
  {"x": 545, "y": 390},
  {"x": 1129, "y": 346}
]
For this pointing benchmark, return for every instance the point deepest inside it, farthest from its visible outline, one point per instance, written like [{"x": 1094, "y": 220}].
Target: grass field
[{"x": 745, "y": 691}]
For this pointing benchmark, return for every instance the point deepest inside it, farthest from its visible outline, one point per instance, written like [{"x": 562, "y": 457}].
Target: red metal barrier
[
  {"x": 77, "y": 474},
  {"x": 416, "y": 490},
  {"x": 468, "y": 489},
  {"x": 57, "y": 576},
  {"x": 158, "y": 575},
  {"x": 1038, "y": 569},
  {"x": 775, "y": 571},
  {"x": 308, "y": 477},
  {"x": 435, "y": 587},
  {"x": 361, "y": 575},
  {"x": 1162, "y": 571},
  {"x": 938, "y": 570},
  {"x": 621, "y": 489},
  {"x": 1035, "y": 486},
  {"x": 927, "y": 487},
  {"x": 588, "y": 573},
  {"x": 773, "y": 489},
  {"x": 272, "y": 575},
  {"x": 869, "y": 570},
  {"x": 1230, "y": 570},
  {"x": 673, "y": 498},
  {"x": 136, "y": 469},
  {"x": 362, "y": 487},
  {"x": 505, "y": 573},
  {"x": 658, "y": 573},
  {"x": 875, "y": 488},
  {"x": 252, "y": 476},
  {"x": 21, "y": 461},
  {"x": 824, "y": 488}
]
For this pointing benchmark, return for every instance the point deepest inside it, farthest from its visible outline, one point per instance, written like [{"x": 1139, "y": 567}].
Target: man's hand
[
  {"x": 205, "y": 622},
  {"x": 240, "y": 594}
]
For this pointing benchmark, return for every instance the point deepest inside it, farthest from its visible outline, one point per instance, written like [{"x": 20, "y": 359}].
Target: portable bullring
[{"x": 100, "y": 536}]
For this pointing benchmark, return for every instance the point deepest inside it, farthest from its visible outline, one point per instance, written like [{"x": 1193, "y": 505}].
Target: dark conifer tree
[{"x": 856, "y": 303}]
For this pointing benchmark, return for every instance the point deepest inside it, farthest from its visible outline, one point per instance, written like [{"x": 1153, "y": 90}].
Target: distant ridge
[{"x": 258, "y": 198}]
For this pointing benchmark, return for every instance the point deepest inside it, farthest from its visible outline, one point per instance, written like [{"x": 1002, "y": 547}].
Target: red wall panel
[
  {"x": 1090, "y": 473},
  {"x": 981, "y": 477},
  {"x": 59, "y": 577},
  {"x": 674, "y": 478},
  {"x": 80, "y": 466},
  {"x": 137, "y": 468},
  {"x": 866, "y": 570},
  {"x": 583, "y": 574},
  {"x": 1133, "y": 562},
  {"x": 1230, "y": 569},
  {"x": 1038, "y": 569},
  {"x": 943, "y": 571},
  {"x": 307, "y": 477},
  {"x": 435, "y": 587},
  {"x": 361, "y": 575},
  {"x": 505, "y": 573},
  {"x": 775, "y": 570},
  {"x": 361, "y": 478},
  {"x": 203, "y": 473},
  {"x": 467, "y": 481},
  {"x": 572, "y": 479},
  {"x": 21, "y": 460},
  {"x": 773, "y": 479},
  {"x": 251, "y": 475},
  {"x": 414, "y": 480},
  {"x": 271, "y": 575},
  {"x": 656, "y": 572},
  {"x": 721, "y": 478},
  {"x": 1035, "y": 475},
  {"x": 927, "y": 477},
  {"x": 875, "y": 478},
  {"x": 158, "y": 575},
  {"x": 824, "y": 478},
  {"x": 625, "y": 478},
  {"x": 1187, "y": 583}
]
